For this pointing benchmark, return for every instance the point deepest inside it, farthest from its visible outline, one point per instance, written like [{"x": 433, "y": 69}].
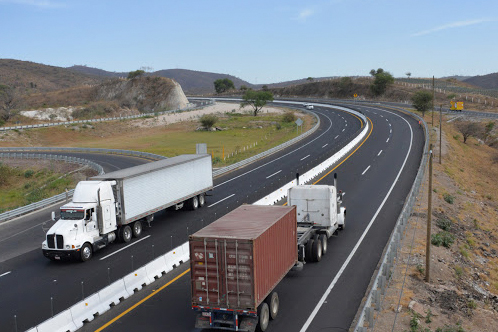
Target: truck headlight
[{"x": 44, "y": 245}]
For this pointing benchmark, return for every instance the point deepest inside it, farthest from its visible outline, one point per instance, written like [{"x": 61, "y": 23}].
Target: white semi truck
[{"x": 116, "y": 205}]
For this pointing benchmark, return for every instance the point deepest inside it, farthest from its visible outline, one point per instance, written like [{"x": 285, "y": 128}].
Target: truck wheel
[
  {"x": 202, "y": 200},
  {"x": 125, "y": 234},
  {"x": 317, "y": 250},
  {"x": 308, "y": 255},
  {"x": 274, "y": 304},
  {"x": 324, "y": 240},
  {"x": 85, "y": 252},
  {"x": 137, "y": 228},
  {"x": 263, "y": 317},
  {"x": 193, "y": 203}
]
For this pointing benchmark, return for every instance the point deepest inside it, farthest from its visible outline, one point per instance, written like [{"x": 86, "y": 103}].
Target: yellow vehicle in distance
[{"x": 456, "y": 105}]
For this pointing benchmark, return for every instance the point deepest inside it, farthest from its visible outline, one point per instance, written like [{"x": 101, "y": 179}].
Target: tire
[
  {"x": 194, "y": 203},
  {"x": 137, "y": 228},
  {"x": 202, "y": 200},
  {"x": 125, "y": 233},
  {"x": 308, "y": 255},
  {"x": 317, "y": 250},
  {"x": 263, "y": 317},
  {"x": 273, "y": 304},
  {"x": 86, "y": 252},
  {"x": 325, "y": 245}
]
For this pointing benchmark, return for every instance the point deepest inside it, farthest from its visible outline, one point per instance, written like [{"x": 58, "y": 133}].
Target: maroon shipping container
[{"x": 239, "y": 259}]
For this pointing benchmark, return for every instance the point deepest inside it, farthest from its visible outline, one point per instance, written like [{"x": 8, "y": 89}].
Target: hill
[
  {"x": 34, "y": 77},
  {"x": 489, "y": 81}
]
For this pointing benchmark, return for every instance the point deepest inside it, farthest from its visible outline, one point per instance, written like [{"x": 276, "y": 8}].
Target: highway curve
[
  {"x": 35, "y": 287},
  {"x": 324, "y": 296}
]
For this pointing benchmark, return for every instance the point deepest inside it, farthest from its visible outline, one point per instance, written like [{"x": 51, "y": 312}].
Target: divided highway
[
  {"x": 33, "y": 287},
  {"x": 323, "y": 297}
]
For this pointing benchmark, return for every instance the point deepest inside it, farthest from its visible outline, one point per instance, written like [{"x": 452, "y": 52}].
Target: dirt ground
[{"x": 463, "y": 287}]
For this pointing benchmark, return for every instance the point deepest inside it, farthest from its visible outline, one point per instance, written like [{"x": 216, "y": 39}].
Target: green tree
[
  {"x": 468, "y": 128},
  {"x": 208, "y": 120},
  {"x": 422, "y": 101},
  {"x": 135, "y": 74},
  {"x": 256, "y": 99},
  {"x": 9, "y": 101},
  {"x": 243, "y": 88},
  {"x": 382, "y": 80},
  {"x": 223, "y": 84}
]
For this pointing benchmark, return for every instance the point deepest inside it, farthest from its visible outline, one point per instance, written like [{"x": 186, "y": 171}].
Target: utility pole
[
  {"x": 433, "y": 97},
  {"x": 440, "y": 131},
  {"x": 429, "y": 217}
]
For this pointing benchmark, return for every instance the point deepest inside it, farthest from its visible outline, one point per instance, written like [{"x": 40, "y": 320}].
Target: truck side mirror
[{"x": 53, "y": 215}]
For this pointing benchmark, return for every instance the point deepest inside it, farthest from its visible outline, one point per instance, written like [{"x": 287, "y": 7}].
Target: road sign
[
  {"x": 299, "y": 122},
  {"x": 355, "y": 95}
]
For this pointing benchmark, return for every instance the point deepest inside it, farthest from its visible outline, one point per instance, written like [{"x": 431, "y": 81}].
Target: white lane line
[
  {"x": 305, "y": 157},
  {"x": 365, "y": 170},
  {"x": 221, "y": 200},
  {"x": 389, "y": 124},
  {"x": 131, "y": 244},
  {"x": 1, "y": 275},
  {"x": 346, "y": 263},
  {"x": 346, "y": 125},
  {"x": 325, "y": 145},
  {"x": 272, "y": 175},
  {"x": 379, "y": 153},
  {"x": 336, "y": 137},
  {"x": 27, "y": 229},
  {"x": 390, "y": 131},
  {"x": 343, "y": 129},
  {"x": 381, "y": 115},
  {"x": 387, "y": 140}
]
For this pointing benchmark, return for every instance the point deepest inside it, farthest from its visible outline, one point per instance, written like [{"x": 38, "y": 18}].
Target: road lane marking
[
  {"x": 305, "y": 157},
  {"x": 336, "y": 137},
  {"x": 221, "y": 200},
  {"x": 1, "y": 275},
  {"x": 325, "y": 145},
  {"x": 141, "y": 301},
  {"x": 346, "y": 263},
  {"x": 344, "y": 129},
  {"x": 273, "y": 174},
  {"x": 379, "y": 153},
  {"x": 387, "y": 140},
  {"x": 27, "y": 229},
  {"x": 131, "y": 244},
  {"x": 365, "y": 170}
]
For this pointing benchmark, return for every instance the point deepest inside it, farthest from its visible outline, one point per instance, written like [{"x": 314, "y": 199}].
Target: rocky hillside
[
  {"x": 147, "y": 94},
  {"x": 489, "y": 81}
]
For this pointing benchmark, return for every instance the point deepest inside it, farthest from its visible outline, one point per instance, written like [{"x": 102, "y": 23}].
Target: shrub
[
  {"x": 278, "y": 126},
  {"x": 449, "y": 198},
  {"x": 444, "y": 224},
  {"x": 208, "y": 120},
  {"x": 216, "y": 160},
  {"x": 289, "y": 117},
  {"x": 444, "y": 239},
  {"x": 29, "y": 173}
]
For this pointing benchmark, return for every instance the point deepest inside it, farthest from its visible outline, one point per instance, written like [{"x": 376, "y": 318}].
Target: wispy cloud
[
  {"x": 37, "y": 3},
  {"x": 304, "y": 14},
  {"x": 451, "y": 26}
]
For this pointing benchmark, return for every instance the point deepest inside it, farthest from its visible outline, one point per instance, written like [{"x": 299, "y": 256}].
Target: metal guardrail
[
  {"x": 51, "y": 200},
  {"x": 390, "y": 253},
  {"x": 143, "y": 115}
]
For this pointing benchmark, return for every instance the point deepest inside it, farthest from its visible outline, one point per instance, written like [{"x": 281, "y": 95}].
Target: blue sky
[{"x": 257, "y": 41}]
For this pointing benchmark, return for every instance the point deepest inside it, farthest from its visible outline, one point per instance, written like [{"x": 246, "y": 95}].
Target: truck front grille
[
  {"x": 60, "y": 241},
  {"x": 51, "y": 240}
]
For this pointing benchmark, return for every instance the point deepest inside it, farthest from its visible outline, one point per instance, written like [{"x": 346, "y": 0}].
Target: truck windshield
[{"x": 72, "y": 214}]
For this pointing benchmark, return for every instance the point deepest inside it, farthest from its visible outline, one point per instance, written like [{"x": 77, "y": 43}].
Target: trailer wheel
[
  {"x": 273, "y": 303},
  {"x": 263, "y": 316},
  {"x": 86, "y": 252},
  {"x": 324, "y": 240},
  {"x": 137, "y": 228},
  {"x": 125, "y": 234},
  {"x": 194, "y": 203},
  {"x": 202, "y": 200},
  {"x": 317, "y": 250},
  {"x": 308, "y": 254}
]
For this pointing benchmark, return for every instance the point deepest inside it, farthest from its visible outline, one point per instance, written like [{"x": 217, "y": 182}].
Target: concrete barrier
[
  {"x": 136, "y": 280},
  {"x": 156, "y": 268},
  {"x": 85, "y": 310},
  {"x": 112, "y": 294},
  {"x": 172, "y": 258},
  {"x": 185, "y": 253},
  {"x": 61, "y": 322}
]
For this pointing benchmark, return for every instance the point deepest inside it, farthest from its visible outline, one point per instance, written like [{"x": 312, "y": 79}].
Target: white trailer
[
  {"x": 115, "y": 205},
  {"x": 319, "y": 216}
]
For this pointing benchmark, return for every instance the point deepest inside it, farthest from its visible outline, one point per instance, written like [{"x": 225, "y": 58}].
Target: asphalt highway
[
  {"x": 324, "y": 296},
  {"x": 34, "y": 288}
]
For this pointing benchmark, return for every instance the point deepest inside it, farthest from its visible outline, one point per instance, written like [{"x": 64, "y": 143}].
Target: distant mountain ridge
[{"x": 489, "y": 81}]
